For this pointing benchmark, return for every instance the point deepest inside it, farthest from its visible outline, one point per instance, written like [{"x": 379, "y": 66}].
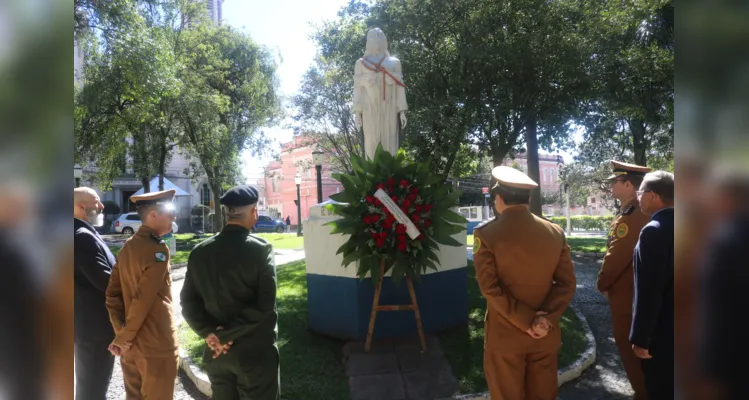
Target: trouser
[
  {"x": 622, "y": 323},
  {"x": 149, "y": 378},
  {"x": 659, "y": 376},
  {"x": 251, "y": 378},
  {"x": 93, "y": 370},
  {"x": 531, "y": 376}
]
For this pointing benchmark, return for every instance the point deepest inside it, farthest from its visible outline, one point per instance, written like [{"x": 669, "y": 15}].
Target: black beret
[{"x": 240, "y": 196}]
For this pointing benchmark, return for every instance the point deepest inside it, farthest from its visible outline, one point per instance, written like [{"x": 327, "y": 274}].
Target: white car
[{"x": 128, "y": 223}]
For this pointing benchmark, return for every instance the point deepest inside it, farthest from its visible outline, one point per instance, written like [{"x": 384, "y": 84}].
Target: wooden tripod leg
[
  {"x": 375, "y": 304},
  {"x": 417, "y": 314}
]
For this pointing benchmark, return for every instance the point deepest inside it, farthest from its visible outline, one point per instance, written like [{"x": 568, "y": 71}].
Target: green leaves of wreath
[{"x": 375, "y": 234}]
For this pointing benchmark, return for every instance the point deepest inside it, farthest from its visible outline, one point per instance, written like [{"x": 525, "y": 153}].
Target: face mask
[{"x": 95, "y": 218}]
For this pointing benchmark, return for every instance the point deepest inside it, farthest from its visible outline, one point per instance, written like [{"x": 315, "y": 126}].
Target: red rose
[
  {"x": 388, "y": 224},
  {"x": 407, "y": 203},
  {"x": 427, "y": 223},
  {"x": 365, "y": 219},
  {"x": 391, "y": 182},
  {"x": 427, "y": 207},
  {"x": 412, "y": 197},
  {"x": 401, "y": 238},
  {"x": 404, "y": 183},
  {"x": 400, "y": 229},
  {"x": 390, "y": 218},
  {"x": 414, "y": 190},
  {"x": 377, "y": 202},
  {"x": 370, "y": 199},
  {"x": 395, "y": 198},
  {"x": 380, "y": 186},
  {"x": 402, "y": 246},
  {"x": 419, "y": 208},
  {"x": 374, "y": 235},
  {"x": 420, "y": 237},
  {"x": 415, "y": 218},
  {"x": 380, "y": 242},
  {"x": 374, "y": 218},
  {"x": 383, "y": 235}
]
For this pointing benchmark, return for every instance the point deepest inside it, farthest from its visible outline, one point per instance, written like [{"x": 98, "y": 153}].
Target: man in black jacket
[
  {"x": 93, "y": 331},
  {"x": 652, "y": 333}
]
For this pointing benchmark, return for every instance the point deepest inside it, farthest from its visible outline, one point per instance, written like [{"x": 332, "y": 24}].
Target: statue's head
[{"x": 376, "y": 42}]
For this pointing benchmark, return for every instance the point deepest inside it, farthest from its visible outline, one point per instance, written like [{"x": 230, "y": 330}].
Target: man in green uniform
[{"x": 229, "y": 298}]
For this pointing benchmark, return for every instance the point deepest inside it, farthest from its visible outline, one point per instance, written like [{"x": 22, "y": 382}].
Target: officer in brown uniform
[
  {"x": 524, "y": 270},
  {"x": 139, "y": 300},
  {"x": 616, "y": 278}
]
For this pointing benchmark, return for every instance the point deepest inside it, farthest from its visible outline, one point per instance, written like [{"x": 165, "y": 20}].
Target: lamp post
[
  {"x": 298, "y": 181},
  {"x": 317, "y": 159},
  {"x": 77, "y": 173}
]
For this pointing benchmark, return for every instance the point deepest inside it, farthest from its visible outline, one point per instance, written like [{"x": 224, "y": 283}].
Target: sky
[{"x": 284, "y": 26}]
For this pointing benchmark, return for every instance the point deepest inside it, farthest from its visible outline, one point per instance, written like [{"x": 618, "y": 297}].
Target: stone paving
[
  {"x": 605, "y": 379},
  {"x": 397, "y": 370}
]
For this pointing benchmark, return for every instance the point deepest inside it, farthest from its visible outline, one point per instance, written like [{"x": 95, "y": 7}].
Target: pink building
[
  {"x": 280, "y": 189},
  {"x": 549, "y": 167}
]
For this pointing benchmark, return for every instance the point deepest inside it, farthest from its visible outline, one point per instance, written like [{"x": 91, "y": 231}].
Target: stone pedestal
[{"x": 339, "y": 304}]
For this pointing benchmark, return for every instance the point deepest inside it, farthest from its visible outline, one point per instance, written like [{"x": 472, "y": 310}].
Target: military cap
[
  {"x": 510, "y": 178},
  {"x": 163, "y": 197},
  {"x": 620, "y": 169},
  {"x": 239, "y": 196}
]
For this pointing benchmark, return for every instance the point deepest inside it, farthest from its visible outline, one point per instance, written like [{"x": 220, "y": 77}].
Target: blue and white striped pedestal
[{"x": 339, "y": 304}]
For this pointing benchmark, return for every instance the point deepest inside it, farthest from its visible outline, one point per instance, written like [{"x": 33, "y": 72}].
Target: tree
[
  {"x": 630, "y": 109},
  {"x": 323, "y": 110},
  {"x": 229, "y": 92},
  {"x": 125, "y": 106}
]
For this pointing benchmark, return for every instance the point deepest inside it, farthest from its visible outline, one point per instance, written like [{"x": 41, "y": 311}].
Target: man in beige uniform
[
  {"x": 616, "y": 278},
  {"x": 139, "y": 300},
  {"x": 524, "y": 270}
]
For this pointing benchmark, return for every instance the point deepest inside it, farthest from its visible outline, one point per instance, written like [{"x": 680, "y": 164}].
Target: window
[
  {"x": 592, "y": 200},
  {"x": 474, "y": 213},
  {"x": 133, "y": 217},
  {"x": 205, "y": 197},
  {"x": 274, "y": 184},
  {"x": 264, "y": 218}
]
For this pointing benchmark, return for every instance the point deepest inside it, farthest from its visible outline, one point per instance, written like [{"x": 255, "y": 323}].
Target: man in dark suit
[
  {"x": 652, "y": 333},
  {"x": 93, "y": 331}
]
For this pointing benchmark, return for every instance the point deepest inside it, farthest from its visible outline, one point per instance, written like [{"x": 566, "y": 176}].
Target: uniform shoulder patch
[
  {"x": 628, "y": 210},
  {"x": 160, "y": 256},
  {"x": 485, "y": 223},
  {"x": 476, "y": 244},
  {"x": 622, "y": 230}
]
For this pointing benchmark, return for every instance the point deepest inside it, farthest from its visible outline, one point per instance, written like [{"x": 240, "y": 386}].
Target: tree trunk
[
  {"x": 218, "y": 217},
  {"x": 531, "y": 144},
  {"x": 146, "y": 184},
  {"x": 162, "y": 162},
  {"x": 639, "y": 143}
]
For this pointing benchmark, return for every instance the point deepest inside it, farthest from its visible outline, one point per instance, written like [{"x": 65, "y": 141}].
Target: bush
[{"x": 585, "y": 222}]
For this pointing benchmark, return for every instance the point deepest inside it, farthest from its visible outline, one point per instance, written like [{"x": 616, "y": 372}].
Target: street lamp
[
  {"x": 77, "y": 173},
  {"x": 298, "y": 181},
  {"x": 317, "y": 159}
]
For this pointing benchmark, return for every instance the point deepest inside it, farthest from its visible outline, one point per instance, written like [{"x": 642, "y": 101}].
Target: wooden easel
[{"x": 377, "y": 307}]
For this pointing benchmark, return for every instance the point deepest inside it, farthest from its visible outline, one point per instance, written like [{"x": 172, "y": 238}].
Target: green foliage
[
  {"x": 374, "y": 233},
  {"x": 585, "y": 222}
]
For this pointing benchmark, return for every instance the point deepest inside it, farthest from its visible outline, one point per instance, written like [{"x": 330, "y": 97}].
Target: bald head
[{"x": 84, "y": 200}]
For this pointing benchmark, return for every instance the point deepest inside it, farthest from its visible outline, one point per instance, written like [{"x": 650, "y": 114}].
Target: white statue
[{"x": 379, "y": 96}]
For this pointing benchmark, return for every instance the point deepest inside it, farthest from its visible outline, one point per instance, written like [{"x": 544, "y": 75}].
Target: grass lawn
[
  {"x": 311, "y": 365},
  {"x": 464, "y": 347},
  {"x": 581, "y": 244}
]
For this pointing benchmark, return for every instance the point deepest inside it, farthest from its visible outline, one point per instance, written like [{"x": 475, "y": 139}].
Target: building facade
[
  {"x": 280, "y": 188},
  {"x": 549, "y": 168}
]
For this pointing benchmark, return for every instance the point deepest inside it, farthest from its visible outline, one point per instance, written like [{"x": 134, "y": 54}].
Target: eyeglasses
[{"x": 641, "y": 192}]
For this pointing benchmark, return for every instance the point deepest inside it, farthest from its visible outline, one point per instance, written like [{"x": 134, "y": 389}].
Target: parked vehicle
[
  {"x": 128, "y": 223},
  {"x": 267, "y": 224}
]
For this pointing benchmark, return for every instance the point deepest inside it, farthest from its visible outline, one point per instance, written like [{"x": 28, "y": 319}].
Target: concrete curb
[
  {"x": 563, "y": 375},
  {"x": 584, "y": 254},
  {"x": 196, "y": 375}
]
